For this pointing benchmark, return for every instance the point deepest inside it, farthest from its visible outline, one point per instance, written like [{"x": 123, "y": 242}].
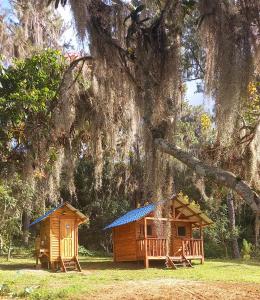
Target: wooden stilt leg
[
  {"x": 146, "y": 262},
  {"x": 52, "y": 266}
]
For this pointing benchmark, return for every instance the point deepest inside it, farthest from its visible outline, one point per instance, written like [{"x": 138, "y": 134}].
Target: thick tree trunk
[
  {"x": 226, "y": 249},
  {"x": 26, "y": 223},
  {"x": 9, "y": 250},
  {"x": 1, "y": 245},
  {"x": 222, "y": 177},
  {"x": 257, "y": 229},
  {"x": 232, "y": 224}
]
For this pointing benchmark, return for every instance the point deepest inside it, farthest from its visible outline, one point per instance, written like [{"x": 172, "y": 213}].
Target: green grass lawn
[{"x": 98, "y": 272}]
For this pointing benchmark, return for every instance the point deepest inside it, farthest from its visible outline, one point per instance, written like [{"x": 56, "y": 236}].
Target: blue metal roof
[
  {"x": 46, "y": 215},
  {"x": 133, "y": 215}
]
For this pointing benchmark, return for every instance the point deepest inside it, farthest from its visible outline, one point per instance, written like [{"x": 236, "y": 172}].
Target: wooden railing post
[
  {"x": 183, "y": 246},
  {"x": 192, "y": 247},
  {"x": 146, "y": 261},
  {"x": 114, "y": 246},
  {"x": 202, "y": 244}
]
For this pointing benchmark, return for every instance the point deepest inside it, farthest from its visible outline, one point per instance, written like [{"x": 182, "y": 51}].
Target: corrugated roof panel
[
  {"x": 132, "y": 216},
  {"x": 141, "y": 212},
  {"x": 81, "y": 215},
  {"x": 46, "y": 215}
]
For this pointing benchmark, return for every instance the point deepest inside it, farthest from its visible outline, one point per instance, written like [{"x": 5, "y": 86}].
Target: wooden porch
[
  {"x": 156, "y": 248},
  {"x": 176, "y": 248}
]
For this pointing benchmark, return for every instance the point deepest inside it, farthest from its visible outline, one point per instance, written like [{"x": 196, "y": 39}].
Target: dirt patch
[{"x": 169, "y": 289}]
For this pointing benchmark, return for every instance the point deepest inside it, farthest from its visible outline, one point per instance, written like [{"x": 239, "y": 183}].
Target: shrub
[
  {"x": 84, "y": 252},
  {"x": 246, "y": 250}
]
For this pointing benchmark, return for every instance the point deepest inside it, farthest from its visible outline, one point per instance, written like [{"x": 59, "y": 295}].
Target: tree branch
[{"x": 222, "y": 177}]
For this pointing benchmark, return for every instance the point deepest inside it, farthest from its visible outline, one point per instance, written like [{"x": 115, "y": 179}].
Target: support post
[
  {"x": 173, "y": 208},
  {"x": 114, "y": 248},
  {"x": 202, "y": 244},
  {"x": 146, "y": 261},
  {"x": 52, "y": 266}
]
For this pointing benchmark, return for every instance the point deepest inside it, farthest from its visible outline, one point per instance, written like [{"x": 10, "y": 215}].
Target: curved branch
[
  {"x": 67, "y": 81},
  {"x": 217, "y": 175}
]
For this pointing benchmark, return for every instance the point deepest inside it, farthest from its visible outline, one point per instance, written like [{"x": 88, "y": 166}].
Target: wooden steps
[
  {"x": 176, "y": 263},
  {"x": 70, "y": 264}
]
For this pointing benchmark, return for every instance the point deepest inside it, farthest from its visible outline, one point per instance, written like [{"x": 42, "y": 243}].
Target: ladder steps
[
  {"x": 175, "y": 263},
  {"x": 72, "y": 264}
]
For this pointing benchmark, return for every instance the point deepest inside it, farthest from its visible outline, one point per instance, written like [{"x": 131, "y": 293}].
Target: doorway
[{"x": 67, "y": 238}]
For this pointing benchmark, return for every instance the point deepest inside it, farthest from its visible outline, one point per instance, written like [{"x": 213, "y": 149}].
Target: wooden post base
[{"x": 146, "y": 263}]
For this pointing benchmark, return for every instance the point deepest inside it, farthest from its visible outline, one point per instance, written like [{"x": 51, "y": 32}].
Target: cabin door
[{"x": 67, "y": 238}]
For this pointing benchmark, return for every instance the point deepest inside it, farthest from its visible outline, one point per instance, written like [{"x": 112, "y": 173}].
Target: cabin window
[
  {"x": 149, "y": 230},
  {"x": 68, "y": 231},
  {"x": 181, "y": 231}
]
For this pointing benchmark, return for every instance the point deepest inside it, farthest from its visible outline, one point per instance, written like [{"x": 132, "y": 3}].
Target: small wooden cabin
[
  {"x": 57, "y": 242},
  {"x": 141, "y": 235}
]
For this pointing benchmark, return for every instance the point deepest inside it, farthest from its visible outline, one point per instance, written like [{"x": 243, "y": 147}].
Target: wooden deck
[{"x": 156, "y": 249}]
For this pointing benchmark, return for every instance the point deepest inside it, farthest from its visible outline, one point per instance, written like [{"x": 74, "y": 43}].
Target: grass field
[{"x": 100, "y": 273}]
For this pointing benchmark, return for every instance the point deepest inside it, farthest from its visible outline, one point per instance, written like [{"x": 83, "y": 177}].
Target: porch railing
[
  {"x": 155, "y": 247},
  {"x": 192, "y": 247}
]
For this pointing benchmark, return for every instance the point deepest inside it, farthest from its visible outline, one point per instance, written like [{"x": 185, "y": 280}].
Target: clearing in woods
[{"x": 103, "y": 279}]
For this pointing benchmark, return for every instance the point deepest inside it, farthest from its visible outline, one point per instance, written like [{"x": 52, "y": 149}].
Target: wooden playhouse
[
  {"x": 57, "y": 242},
  {"x": 141, "y": 236}
]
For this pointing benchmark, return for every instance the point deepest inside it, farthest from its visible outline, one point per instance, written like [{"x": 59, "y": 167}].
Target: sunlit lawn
[{"x": 20, "y": 274}]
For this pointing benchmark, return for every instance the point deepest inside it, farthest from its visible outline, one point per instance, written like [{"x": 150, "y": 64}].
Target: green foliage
[
  {"x": 28, "y": 87},
  {"x": 195, "y": 128},
  {"x": 102, "y": 204},
  {"x": 246, "y": 249},
  {"x": 252, "y": 106},
  {"x": 15, "y": 194},
  {"x": 84, "y": 251},
  {"x": 218, "y": 235}
]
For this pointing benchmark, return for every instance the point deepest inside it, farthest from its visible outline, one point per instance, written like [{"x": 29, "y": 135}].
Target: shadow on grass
[
  {"x": 233, "y": 262},
  {"x": 86, "y": 264},
  {"x": 14, "y": 267},
  {"x": 110, "y": 265},
  {"x": 105, "y": 263}
]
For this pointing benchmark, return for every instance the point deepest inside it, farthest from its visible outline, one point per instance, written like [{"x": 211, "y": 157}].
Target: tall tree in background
[
  {"x": 28, "y": 26},
  {"x": 140, "y": 44}
]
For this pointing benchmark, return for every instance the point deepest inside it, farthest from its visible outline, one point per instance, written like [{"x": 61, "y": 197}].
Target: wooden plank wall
[
  {"x": 44, "y": 234},
  {"x": 55, "y": 238},
  {"x": 177, "y": 241},
  {"x": 125, "y": 242}
]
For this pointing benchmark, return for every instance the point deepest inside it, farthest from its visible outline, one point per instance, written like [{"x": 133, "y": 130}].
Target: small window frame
[
  {"x": 149, "y": 230},
  {"x": 179, "y": 234}
]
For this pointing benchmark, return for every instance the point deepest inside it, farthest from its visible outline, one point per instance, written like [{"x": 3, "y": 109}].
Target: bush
[
  {"x": 85, "y": 252},
  {"x": 213, "y": 249},
  {"x": 246, "y": 250}
]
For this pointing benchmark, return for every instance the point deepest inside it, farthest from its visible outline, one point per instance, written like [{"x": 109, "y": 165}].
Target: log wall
[
  {"x": 176, "y": 240},
  {"x": 44, "y": 234},
  {"x": 124, "y": 238}
]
